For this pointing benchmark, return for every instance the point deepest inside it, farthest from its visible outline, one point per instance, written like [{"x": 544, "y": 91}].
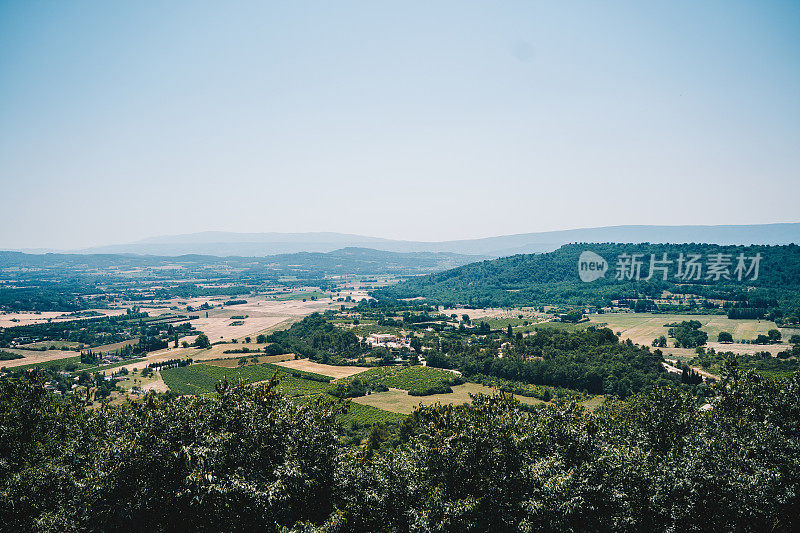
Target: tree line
[{"x": 249, "y": 459}]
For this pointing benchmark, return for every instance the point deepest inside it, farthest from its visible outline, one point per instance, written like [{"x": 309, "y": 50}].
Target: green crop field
[
  {"x": 377, "y": 374},
  {"x": 190, "y": 380},
  {"x": 367, "y": 415},
  {"x": 202, "y": 379},
  {"x": 371, "y": 409},
  {"x": 418, "y": 377},
  {"x": 406, "y": 378}
]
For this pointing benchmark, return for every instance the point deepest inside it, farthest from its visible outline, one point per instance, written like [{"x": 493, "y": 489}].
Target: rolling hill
[
  {"x": 306, "y": 264},
  {"x": 225, "y": 244},
  {"x": 553, "y": 277}
]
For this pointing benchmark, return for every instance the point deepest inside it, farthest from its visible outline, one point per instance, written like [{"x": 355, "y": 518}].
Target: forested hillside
[
  {"x": 704, "y": 270},
  {"x": 594, "y": 361}
]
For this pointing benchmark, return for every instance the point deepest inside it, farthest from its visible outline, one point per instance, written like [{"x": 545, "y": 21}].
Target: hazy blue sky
[{"x": 416, "y": 120}]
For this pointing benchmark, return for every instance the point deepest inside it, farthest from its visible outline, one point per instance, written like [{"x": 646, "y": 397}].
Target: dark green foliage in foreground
[
  {"x": 250, "y": 459},
  {"x": 247, "y": 460},
  {"x": 650, "y": 464}
]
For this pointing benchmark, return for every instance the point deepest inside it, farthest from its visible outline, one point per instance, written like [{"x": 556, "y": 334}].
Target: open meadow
[
  {"x": 231, "y": 361},
  {"x": 399, "y": 401},
  {"x": 9, "y": 320},
  {"x": 259, "y": 315},
  {"x": 335, "y": 372},
  {"x": 31, "y": 357},
  {"x": 642, "y": 328}
]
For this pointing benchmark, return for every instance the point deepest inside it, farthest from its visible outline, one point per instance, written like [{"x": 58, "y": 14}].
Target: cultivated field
[
  {"x": 399, "y": 401},
  {"x": 9, "y": 320},
  {"x": 154, "y": 357},
  {"x": 202, "y": 379},
  {"x": 263, "y": 316},
  {"x": 335, "y": 372},
  {"x": 218, "y": 352},
  {"x": 233, "y": 362},
  {"x": 642, "y": 328},
  {"x": 32, "y": 357},
  {"x": 492, "y": 312},
  {"x": 61, "y": 345}
]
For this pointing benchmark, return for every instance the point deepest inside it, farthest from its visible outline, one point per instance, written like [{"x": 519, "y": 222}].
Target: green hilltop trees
[
  {"x": 724, "y": 336},
  {"x": 552, "y": 278},
  {"x": 202, "y": 341}
]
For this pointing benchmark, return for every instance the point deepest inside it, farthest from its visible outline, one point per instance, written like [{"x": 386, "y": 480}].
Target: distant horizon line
[{"x": 174, "y": 238}]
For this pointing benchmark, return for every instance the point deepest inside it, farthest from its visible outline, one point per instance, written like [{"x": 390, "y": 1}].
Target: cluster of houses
[
  {"x": 110, "y": 358},
  {"x": 392, "y": 342},
  {"x": 388, "y": 340}
]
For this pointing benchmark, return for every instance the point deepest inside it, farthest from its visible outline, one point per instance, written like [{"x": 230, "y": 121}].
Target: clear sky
[{"x": 416, "y": 120}]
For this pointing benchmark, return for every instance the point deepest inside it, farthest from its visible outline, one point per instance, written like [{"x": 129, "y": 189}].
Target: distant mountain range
[
  {"x": 224, "y": 244},
  {"x": 307, "y": 265}
]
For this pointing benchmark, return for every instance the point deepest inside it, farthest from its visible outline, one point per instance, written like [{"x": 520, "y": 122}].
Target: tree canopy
[{"x": 250, "y": 459}]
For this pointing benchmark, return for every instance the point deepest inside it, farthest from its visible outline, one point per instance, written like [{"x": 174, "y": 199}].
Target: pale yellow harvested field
[
  {"x": 233, "y": 362},
  {"x": 748, "y": 349},
  {"x": 156, "y": 385},
  {"x": 335, "y": 372},
  {"x": 263, "y": 316},
  {"x": 355, "y": 295},
  {"x": 399, "y": 401},
  {"x": 218, "y": 352},
  {"x": 642, "y": 328},
  {"x": 31, "y": 357},
  {"x": 283, "y": 324},
  {"x": 220, "y": 328},
  {"x": 10, "y": 320}
]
